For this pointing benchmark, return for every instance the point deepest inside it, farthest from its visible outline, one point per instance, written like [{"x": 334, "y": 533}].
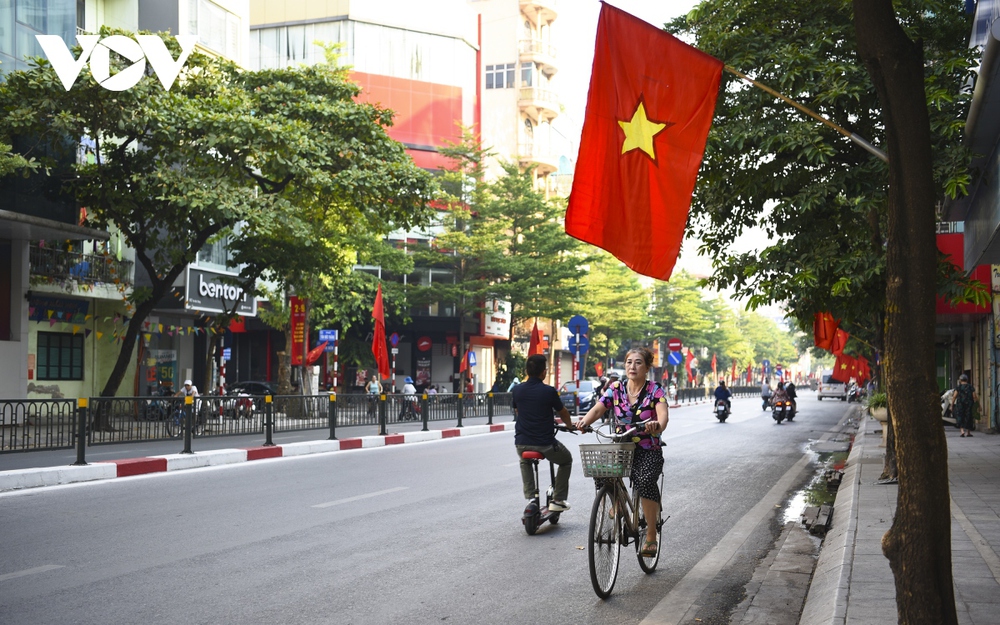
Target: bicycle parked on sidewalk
[{"x": 616, "y": 518}]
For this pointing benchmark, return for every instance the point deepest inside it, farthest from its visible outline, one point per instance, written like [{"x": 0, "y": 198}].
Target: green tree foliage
[
  {"x": 616, "y": 307},
  {"x": 284, "y": 162},
  {"x": 820, "y": 198},
  {"x": 498, "y": 239}
]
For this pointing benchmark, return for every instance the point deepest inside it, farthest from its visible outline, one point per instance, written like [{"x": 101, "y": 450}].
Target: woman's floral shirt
[{"x": 625, "y": 414}]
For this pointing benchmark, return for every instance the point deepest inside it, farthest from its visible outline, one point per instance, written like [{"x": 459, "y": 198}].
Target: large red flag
[
  {"x": 649, "y": 109},
  {"x": 824, "y": 329},
  {"x": 378, "y": 341}
]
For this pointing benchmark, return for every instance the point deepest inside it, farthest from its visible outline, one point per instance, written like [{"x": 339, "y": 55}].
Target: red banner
[{"x": 298, "y": 320}]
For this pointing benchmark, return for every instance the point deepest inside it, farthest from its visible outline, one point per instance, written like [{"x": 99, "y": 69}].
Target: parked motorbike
[
  {"x": 782, "y": 409},
  {"x": 721, "y": 410},
  {"x": 855, "y": 393}
]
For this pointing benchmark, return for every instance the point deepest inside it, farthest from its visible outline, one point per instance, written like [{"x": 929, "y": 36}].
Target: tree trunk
[{"x": 918, "y": 545}]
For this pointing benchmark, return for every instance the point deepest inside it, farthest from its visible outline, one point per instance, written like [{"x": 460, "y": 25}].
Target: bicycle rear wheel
[
  {"x": 605, "y": 542},
  {"x": 648, "y": 563}
]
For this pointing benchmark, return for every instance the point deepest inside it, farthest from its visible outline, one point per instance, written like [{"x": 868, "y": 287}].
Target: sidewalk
[{"x": 853, "y": 584}]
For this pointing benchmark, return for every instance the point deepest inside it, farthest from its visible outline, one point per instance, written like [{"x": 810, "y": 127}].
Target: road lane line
[
  {"x": 360, "y": 497},
  {"x": 683, "y": 597},
  {"x": 37, "y": 569}
]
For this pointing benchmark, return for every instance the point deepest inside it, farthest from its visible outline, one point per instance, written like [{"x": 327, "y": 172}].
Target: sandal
[{"x": 649, "y": 549}]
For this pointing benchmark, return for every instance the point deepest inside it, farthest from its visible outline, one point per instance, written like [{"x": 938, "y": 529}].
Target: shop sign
[
  {"x": 298, "y": 323},
  {"x": 496, "y": 319},
  {"x": 205, "y": 291}
]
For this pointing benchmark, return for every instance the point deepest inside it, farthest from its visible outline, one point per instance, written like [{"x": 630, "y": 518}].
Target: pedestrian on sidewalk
[{"x": 962, "y": 401}]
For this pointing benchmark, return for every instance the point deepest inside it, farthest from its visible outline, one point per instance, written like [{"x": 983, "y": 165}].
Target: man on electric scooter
[{"x": 534, "y": 404}]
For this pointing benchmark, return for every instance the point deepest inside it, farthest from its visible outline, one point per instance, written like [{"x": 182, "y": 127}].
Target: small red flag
[
  {"x": 687, "y": 365},
  {"x": 839, "y": 342},
  {"x": 378, "y": 341},
  {"x": 824, "y": 329},
  {"x": 538, "y": 342},
  {"x": 732, "y": 374},
  {"x": 649, "y": 110},
  {"x": 842, "y": 368},
  {"x": 713, "y": 365},
  {"x": 315, "y": 353}
]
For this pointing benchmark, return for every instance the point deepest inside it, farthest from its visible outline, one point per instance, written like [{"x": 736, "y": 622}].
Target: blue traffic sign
[
  {"x": 578, "y": 325},
  {"x": 675, "y": 358},
  {"x": 227, "y": 353},
  {"x": 327, "y": 335},
  {"x": 580, "y": 346},
  {"x": 472, "y": 358},
  {"x": 394, "y": 339}
]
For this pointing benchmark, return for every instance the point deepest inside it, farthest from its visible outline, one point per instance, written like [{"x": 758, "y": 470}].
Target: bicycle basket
[{"x": 607, "y": 459}]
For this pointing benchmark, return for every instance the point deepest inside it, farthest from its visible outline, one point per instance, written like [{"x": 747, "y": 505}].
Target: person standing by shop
[{"x": 962, "y": 402}]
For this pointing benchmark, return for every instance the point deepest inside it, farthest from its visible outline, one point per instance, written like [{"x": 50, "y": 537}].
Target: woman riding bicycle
[{"x": 631, "y": 402}]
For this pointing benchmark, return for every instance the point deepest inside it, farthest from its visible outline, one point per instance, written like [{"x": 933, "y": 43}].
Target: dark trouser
[{"x": 558, "y": 455}]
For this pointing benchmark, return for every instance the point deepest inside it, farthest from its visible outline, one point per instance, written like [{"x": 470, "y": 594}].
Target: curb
[
  {"x": 826, "y": 603},
  {"x": 20, "y": 479}
]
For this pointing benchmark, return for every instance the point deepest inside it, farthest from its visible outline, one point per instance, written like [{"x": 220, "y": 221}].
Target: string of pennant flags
[{"x": 77, "y": 320}]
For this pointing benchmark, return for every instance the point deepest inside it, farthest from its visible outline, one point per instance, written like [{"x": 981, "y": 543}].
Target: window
[
  {"x": 527, "y": 71},
  {"x": 500, "y": 76},
  {"x": 60, "y": 356},
  {"x": 216, "y": 27}
]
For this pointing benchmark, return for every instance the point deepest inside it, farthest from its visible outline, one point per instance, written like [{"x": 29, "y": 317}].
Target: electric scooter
[{"x": 535, "y": 515}]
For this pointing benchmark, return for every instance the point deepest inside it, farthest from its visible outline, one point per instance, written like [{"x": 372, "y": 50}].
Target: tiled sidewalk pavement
[{"x": 853, "y": 584}]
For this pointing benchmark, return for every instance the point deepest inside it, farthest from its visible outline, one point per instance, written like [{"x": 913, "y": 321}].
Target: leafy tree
[
  {"x": 616, "y": 307},
  {"x": 841, "y": 234},
  {"x": 286, "y": 154},
  {"x": 902, "y": 57}
]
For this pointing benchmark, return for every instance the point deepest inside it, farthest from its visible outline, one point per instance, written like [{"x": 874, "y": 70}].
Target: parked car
[
  {"x": 828, "y": 387},
  {"x": 255, "y": 388},
  {"x": 588, "y": 394}
]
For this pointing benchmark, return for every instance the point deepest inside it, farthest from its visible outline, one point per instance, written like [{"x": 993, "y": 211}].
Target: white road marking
[
  {"x": 360, "y": 497},
  {"x": 37, "y": 569}
]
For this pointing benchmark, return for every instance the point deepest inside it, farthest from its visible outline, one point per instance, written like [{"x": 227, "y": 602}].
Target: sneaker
[{"x": 558, "y": 506}]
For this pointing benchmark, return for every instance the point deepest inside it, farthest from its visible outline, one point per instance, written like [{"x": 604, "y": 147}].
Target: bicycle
[
  {"x": 616, "y": 516},
  {"x": 178, "y": 417}
]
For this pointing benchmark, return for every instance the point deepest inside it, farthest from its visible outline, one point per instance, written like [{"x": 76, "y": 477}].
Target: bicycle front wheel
[
  {"x": 605, "y": 542},
  {"x": 647, "y": 563}
]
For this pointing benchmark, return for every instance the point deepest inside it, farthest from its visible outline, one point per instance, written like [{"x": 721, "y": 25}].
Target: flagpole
[{"x": 856, "y": 139}]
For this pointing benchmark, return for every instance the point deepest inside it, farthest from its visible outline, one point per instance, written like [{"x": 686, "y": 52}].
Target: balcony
[
  {"x": 542, "y": 158},
  {"x": 539, "y": 104},
  {"x": 58, "y": 266},
  {"x": 540, "y": 11},
  {"x": 538, "y": 52}
]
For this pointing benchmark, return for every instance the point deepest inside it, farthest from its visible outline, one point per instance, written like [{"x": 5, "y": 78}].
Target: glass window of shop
[
  {"x": 367, "y": 48},
  {"x": 21, "y": 20}
]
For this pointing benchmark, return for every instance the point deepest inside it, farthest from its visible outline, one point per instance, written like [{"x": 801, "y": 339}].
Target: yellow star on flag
[{"x": 640, "y": 131}]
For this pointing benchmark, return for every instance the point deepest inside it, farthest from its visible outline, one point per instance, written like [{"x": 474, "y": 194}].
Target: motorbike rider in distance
[
  {"x": 790, "y": 391},
  {"x": 780, "y": 394},
  {"x": 721, "y": 392}
]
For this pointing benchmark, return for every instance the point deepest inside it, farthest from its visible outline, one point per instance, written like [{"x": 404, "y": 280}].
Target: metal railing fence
[
  {"x": 33, "y": 425},
  {"x": 30, "y": 424}
]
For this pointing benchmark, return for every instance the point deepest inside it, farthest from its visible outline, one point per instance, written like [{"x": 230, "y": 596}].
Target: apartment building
[{"x": 62, "y": 309}]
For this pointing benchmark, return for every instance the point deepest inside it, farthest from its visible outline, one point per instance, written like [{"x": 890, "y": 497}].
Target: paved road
[{"x": 418, "y": 533}]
